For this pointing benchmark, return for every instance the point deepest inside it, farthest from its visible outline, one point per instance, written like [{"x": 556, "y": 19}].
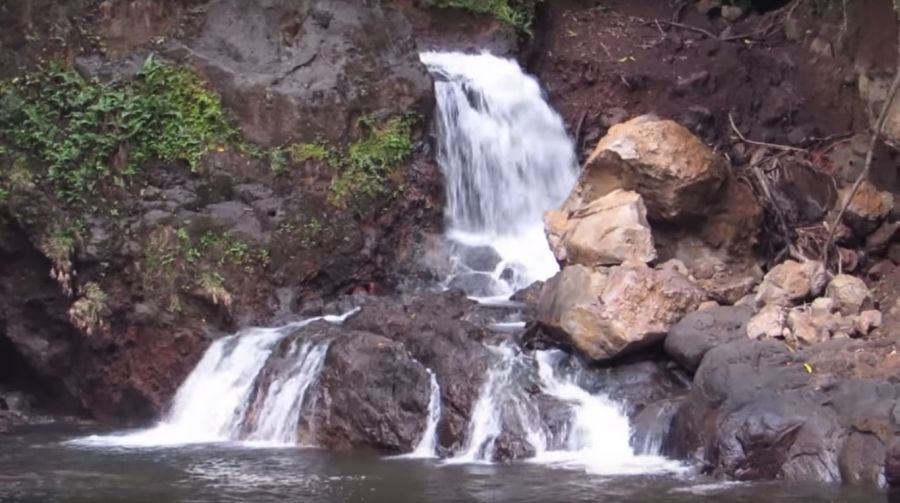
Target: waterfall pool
[{"x": 38, "y": 465}]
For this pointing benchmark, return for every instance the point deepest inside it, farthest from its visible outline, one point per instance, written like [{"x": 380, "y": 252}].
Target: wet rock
[
  {"x": 432, "y": 326},
  {"x": 868, "y": 208},
  {"x": 759, "y": 410},
  {"x": 791, "y": 282},
  {"x": 480, "y": 258},
  {"x": 237, "y": 216},
  {"x": 607, "y": 231},
  {"x": 607, "y": 313},
  {"x": 474, "y": 284},
  {"x": 677, "y": 175},
  {"x": 708, "y": 7},
  {"x": 849, "y": 293},
  {"x": 637, "y": 385},
  {"x": 690, "y": 339},
  {"x": 371, "y": 393}
]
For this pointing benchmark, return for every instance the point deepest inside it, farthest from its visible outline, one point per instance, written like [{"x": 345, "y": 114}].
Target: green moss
[
  {"x": 518, "y": 14},
  {"x": 302, "y": 152},
  {"x": 85, "y": 132},
  {"x": 365, "y": 168}
]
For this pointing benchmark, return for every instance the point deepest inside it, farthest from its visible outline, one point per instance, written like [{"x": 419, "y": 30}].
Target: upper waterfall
[{"x": 506, "y": 158}]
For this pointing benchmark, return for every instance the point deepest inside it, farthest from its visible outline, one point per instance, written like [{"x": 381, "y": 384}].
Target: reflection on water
[{"x": 36, "y": 467}]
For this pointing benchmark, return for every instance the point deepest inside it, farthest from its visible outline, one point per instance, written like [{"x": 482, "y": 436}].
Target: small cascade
[
  {"x": 213, "y": 404},
  {"x": 428, "y": 445},
  {"x": 506, "y": 159},
  {"x": 503, "y": 402},
  {"x": 599, "y": 434},
  {"x": 277, "y": 419}
]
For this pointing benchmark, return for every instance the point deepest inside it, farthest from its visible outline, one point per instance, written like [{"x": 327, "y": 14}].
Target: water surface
[{"x": 36, "y": 465}]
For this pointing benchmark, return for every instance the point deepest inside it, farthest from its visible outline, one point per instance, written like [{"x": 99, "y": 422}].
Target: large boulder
[
  {"x": 607, "y": 231},
  {"x": 690, "y": 339},
  {"x": 760, "y": 410},
  {"x": 371, "y": 393},
  {"x": 868, "y": 208},
  {"x": 677, "y": 175},
  {"x": 608, "y": 313}
]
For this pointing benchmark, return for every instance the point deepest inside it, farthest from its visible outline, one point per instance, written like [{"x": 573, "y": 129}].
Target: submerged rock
[{"x": 607, "y": 313}]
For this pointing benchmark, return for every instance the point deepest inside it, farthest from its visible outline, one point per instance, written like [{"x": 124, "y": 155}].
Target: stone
[
  {"x": 707, "y": 7},
  {"x": 894, "y": 253},
  {"x": 849, "y": 293},
  {"x": 877, "y": 242},
  {"x": 823, "y": 306},
  {"x": 732, "y": 12},
  {"x": 768, "y": 323},
  {"x": 609, "y": 313},
  {"x": 790, "y": 282},
  {"x": 607, "y": 231},
  {"x": 803, "y": 326},
  {"x": 710, "y": 304},
  {"x": 475, "y": 284},
  {"x": 700, "y": 331},
  {"x": 480, "y": 258},
  {"x": 868, "y": 208},
  {"x": 677, "y": 175},
  {"x": 867, "y": 321}
]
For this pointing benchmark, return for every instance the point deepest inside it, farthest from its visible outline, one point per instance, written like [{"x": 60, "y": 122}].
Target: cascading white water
[
  {"x": 428, "y": 444},
  {"x": 214, "y": 401},
  {"x": 506, "y": 159},
  {"x": 599, "y": 434},
  {"x": 502, "y": 400}
]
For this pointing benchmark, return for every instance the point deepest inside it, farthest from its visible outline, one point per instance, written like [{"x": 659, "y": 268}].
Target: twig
[
  {"x": 606, "y": 49},
  {"x": 578, "y": 130},
  {"x": 689, "y": 27},
  {"x": 870, "y": 155},
  {"x": 761, "y": 143},
  {"x": 782, "y": 221}
]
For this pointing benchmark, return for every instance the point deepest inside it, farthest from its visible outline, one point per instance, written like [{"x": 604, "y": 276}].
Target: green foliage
[
  {"x": 302, "y": 152},
  {"x": 368, "y": 162},
  {"x": 86, "y": 132},
  {"x": 518, "y": 14}
]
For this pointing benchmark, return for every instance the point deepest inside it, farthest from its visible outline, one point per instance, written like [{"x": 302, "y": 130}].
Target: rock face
[
  {"x": 759, "y": 411},
  {"x": 607, "y": 313},
  {"x": 607, "y": 231},
  {"x": 300, "y": 71},
  {"x": 692, "y": 337},
  {"x": 677, "y": 175}
]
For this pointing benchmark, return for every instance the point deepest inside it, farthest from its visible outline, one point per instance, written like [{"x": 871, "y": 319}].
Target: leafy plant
[
  {"x": 87, "y": 312},
  {"x": 87, "y": 132},
  {"x": 368, "y": 162},
  {"x": 518, "y": 14},
  {"x": 302, "y": 152}
]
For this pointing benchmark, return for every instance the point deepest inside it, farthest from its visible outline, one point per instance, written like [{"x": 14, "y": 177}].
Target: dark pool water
[{"x": 37, "y": 466}]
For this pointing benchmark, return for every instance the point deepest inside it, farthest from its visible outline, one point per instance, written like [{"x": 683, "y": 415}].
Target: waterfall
[
  {"x": 428, "y": 445},
  {"x": 506, "y": 159},
  {"x": 503, "y": 401},
  {"x": 213, "y": 404}
]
